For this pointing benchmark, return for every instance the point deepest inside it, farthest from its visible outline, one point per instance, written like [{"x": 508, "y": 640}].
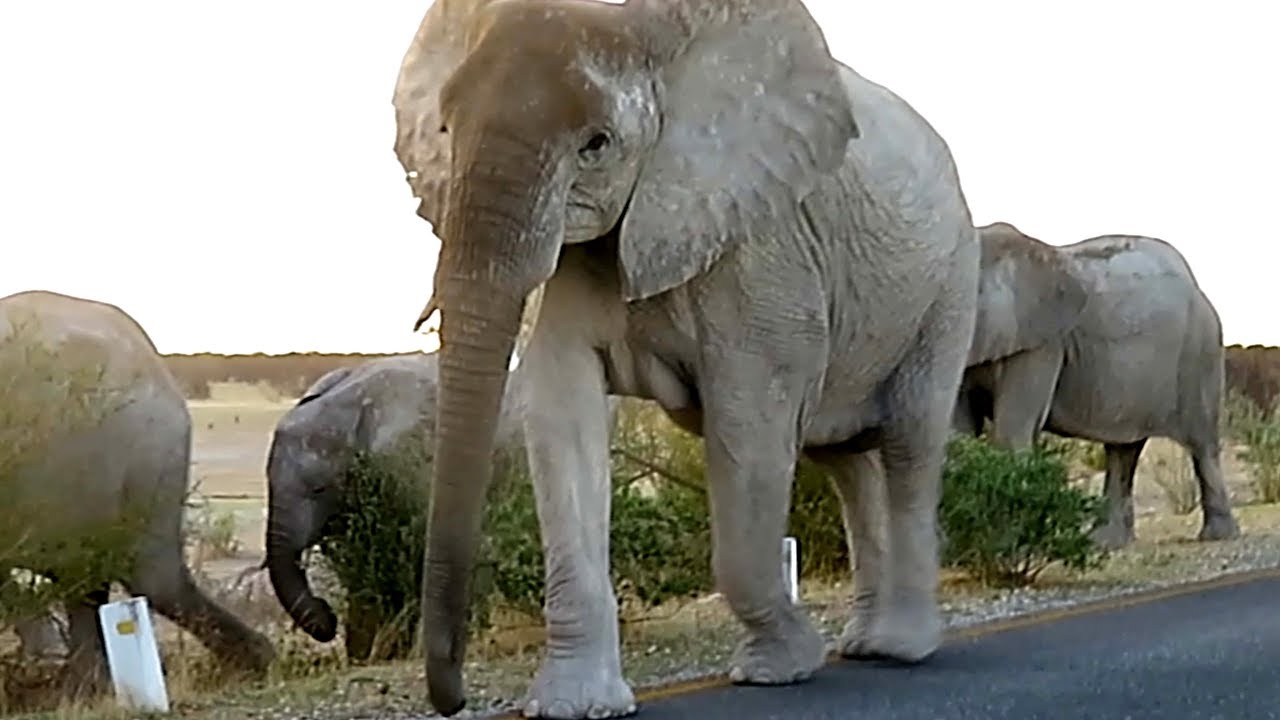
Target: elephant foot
[
  {"x": 247, "y": 656},
  {"x": 1112, "y": 536},
  {"x": 1219, "y": 527},
  {"x": 789, "y": 654},
  {"x": 900, "y": 635},
  {"x": 574, "y": 688}
]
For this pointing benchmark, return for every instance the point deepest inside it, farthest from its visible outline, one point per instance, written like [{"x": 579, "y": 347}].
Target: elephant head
[
  {"x": 371, "y": 407},
  {"x": 660, "y": 128},
  {"x": 367, "y": 408},
  {"x": 1029, "y": 294},
  {"x": 309, "y": 452}
]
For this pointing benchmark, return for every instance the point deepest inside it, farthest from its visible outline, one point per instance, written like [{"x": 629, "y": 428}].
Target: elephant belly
[{"x": 1117, "y": 397}]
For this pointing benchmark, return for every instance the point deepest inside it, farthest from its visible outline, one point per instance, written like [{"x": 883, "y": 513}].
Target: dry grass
[{"x": 232, "y": 432}]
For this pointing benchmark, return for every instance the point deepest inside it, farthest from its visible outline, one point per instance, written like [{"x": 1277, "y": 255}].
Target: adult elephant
[
  {"x": 373, "y": 407},
  {"x": 725, "y": 220},
  {"x": 109, "y": 471},
  {"x": 1109, "y": 339}
]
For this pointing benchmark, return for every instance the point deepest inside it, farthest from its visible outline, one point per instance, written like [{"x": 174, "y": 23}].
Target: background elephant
[
  {"x": 724, "y": 219},
  {"x": 131, "y": 463},
  {"x": 372, "y": 407},
  {"x": 1109, "y": 339}
]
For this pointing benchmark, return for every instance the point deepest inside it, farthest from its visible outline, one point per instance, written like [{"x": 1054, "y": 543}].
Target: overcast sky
[{"x": 223, "y": 170}]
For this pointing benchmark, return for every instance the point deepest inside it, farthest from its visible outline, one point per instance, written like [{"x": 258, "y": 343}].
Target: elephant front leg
[
  {"x": 567, "y": 436},
  {"x": 859, "y": 481},
  {"x": 751, "y": 451},
  {"x": 1024, "y": 395}
]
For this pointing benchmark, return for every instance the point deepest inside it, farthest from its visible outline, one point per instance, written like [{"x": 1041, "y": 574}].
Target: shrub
[
  {"x": 649, "y": 448},
  {"x": 1239, "y": 416},
  {"x": 1258, "y": 431},
  {"x": 1076, "y": 452},
  {"x": 212, "y": 532},
  {"x": 1262, "y": 453},
  {"x": 817, "y": 524},
  {"x": 1009, "y": 515},
  {"x": 374, "y": 549},
  {"x": 660, "y": 544},
  {"x": 659, "y": 540}
]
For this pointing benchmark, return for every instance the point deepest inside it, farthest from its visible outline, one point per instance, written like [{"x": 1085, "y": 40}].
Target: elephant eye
[{"x": 594, "y": 145}]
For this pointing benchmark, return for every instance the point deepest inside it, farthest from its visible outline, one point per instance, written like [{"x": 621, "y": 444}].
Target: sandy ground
[{"x": 231, "y": 436}]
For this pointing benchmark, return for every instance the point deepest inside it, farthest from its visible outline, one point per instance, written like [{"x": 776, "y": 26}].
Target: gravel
[
  {"x": 1196, "y": 562},
  {"x": 698, "y": 643}
]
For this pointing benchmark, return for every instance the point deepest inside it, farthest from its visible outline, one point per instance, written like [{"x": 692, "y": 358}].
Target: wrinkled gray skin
[
  {"x": 139, "y": 452},
  {"x": 1109, "y": 339},
  {"x": 723, "y": 219},
  {"x": 372, "y": 407}
]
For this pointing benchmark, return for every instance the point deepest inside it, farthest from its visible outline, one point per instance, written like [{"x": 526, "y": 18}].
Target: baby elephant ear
[
  {"x": 422, "y": 145},
  {"x": 754, "y": 114}
]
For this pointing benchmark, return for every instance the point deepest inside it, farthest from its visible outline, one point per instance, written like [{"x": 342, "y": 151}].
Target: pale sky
[{"x": 223, "y": 170}]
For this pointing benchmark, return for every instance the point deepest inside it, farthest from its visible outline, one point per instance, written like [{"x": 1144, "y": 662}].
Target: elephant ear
[
  {"x": 754, "y": 114},
  {"x": 438, "y": 48},
  {"x": 324, "y": 384},
  {"x": 1029, "y": 294}
]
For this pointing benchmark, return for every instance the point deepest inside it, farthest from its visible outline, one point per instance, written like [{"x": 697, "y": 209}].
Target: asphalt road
[{"x": 1212, "y": 653}]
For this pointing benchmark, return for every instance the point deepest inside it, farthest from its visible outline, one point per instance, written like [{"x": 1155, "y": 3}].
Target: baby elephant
[
  {"x": 117, "y": 475},
  {"x": 372, "y": 407}
]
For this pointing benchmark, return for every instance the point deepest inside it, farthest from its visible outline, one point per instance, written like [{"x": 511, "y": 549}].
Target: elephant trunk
[
  {"x": 312, "y": 614},
  {"x": 290, "y": 529},
  {"x": 502, "y": 238},
  {"x": 474, "y": 356}
]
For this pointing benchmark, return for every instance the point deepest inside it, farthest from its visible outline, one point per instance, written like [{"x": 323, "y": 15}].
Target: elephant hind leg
[
  {"x": 1215, "y": 503},
  {"x": 86, "y": 671},
  {"x": 859, "y": 481},
  {"x": 908, "y": 625},
  {"x": 1122, "y": 461},
  {"x": 172, "y": 592},
  {"x": 160, "y": 573}
]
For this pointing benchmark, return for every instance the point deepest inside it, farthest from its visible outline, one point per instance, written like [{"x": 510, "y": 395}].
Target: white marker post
[
  {"x": 133, "y": 656},
  {"x": 791, "y": 567}
]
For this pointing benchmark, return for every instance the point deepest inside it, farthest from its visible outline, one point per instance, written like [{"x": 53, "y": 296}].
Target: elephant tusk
[{"x": 431, "y": 307}]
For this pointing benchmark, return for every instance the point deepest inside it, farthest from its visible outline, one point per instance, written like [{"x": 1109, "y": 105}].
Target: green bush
[
  {"x": 1239, "y": 415},
  {"x": 1258, "y": 431},
  {"x": 373, "y": 546},
  {"x": 817, "y": 525},
  {"x": 659, "y": 541},
  {"x": 1009, "y": 515}
]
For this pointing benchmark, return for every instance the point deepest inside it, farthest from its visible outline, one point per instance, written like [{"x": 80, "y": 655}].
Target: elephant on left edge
[{"x": 129, "y": 463}]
